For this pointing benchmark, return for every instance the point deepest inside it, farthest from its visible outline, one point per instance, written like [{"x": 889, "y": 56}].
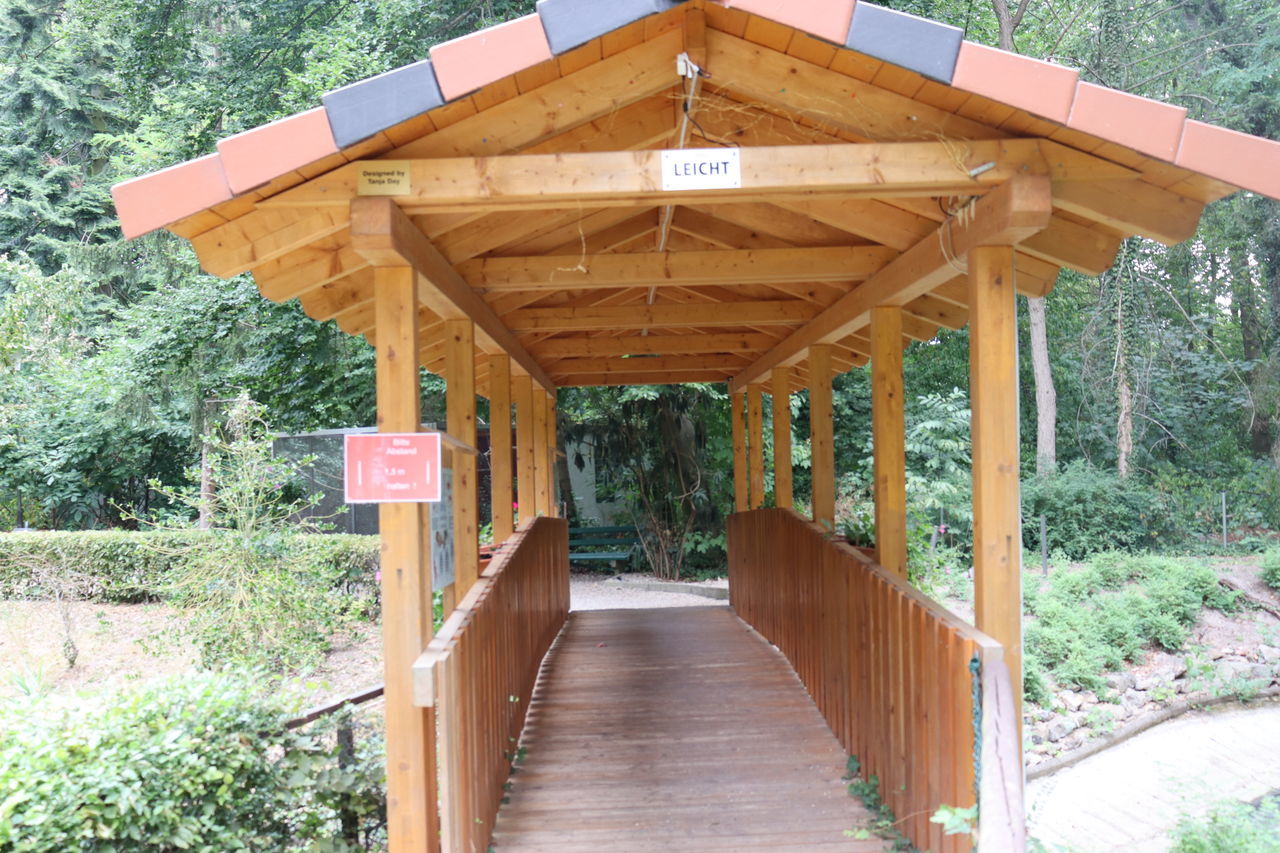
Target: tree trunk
[
  {"x": 1046, "y": 394},
  {"x": 1124, "y": 393}
]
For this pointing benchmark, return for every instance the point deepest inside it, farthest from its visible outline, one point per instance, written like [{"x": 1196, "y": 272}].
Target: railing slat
[
  {"x": 890, "y": 671},
  {"x": 480, "y": 671}
]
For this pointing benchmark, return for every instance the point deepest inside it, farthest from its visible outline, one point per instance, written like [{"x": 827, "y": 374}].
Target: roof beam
[
  {"x": 384, "y": 235},
  {"x": 686, "y": 269},
  {"x": 1018, "y": 209},
  {"x": 647, "y": 364},
  {"x": 746, "y": 343},
  {"x": 600, "y": 379},
  {"x": 634, "y": 178},
  {"x": 664, "y": 315}
]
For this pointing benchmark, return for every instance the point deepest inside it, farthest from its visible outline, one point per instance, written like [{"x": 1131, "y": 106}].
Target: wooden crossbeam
[
  {"x": 305, "y": 270},
  {"x": 571, "y": 318},
  {"x": 263, "y": 235},
  {"x": 631, "y": 178},
  {"x": 685, "y": 269},
  {"x": 673, "y": 364},
  {"x": 660, "y": 378},
  {"x": 385, "y": 236},
  {"x": 330, "y": 300},
  {"x": 1018, "y": 209},
  {"x": 745, "y": 343}
]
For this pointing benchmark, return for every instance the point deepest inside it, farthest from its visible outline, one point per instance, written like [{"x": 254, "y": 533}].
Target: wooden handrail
[
  {"x": 895, "y": 675},
  {"x": 479, "y": 672}
]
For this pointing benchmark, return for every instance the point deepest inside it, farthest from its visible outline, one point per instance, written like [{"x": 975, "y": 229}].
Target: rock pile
[{"x": 1076, "y": 717}]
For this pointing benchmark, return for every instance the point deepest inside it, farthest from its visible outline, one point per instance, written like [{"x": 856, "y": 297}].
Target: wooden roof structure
[{"x": 875, "y": 148}]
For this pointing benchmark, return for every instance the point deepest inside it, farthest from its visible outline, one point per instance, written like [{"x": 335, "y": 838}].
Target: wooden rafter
[
  {"x": 383, "y": 234},
  {"x": 560, "y": 272},
  {"x": 1018, "y": 209}
]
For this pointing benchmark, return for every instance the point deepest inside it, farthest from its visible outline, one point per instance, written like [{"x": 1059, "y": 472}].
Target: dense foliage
[
  {"x": 116, "y": 357},
  {"x": 1231, "y": 828},
  {"x": 199, "y": 763},
  {"x": 1098, "y": 618}
]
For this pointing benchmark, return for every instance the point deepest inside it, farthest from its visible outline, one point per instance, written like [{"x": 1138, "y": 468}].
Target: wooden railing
[
  {"x": 479, "y": 673},
  {"x": 895, "y": 675}
]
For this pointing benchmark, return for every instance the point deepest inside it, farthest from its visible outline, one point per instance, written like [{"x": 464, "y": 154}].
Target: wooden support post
[
  {"x": 522, "y": 390},
  {"x": 500, "y": 474},
  {"x": 782, "y": 491},
  {"x": 541, "y": 470},
  {"x": 755, "y": 444},
  {"x": 412, "y": 819},
  {"x": 460, "y": 404},
  {"x": 741, "y": 490},
  {"x": 993, "y": 392},
  {"x": 821, "y": 437},
  {"x": 553, "y": 458},
  {"x": 888, "y": 437}
]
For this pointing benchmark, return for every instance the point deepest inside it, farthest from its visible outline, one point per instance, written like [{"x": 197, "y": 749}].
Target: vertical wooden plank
[
  {"x": 822, "y": 446},
  {"x": 460, "y": 405},
  {"x": 541, "y": 472},
  {"x": 755, "y": 444},
  {"x": 522, "y": 390},
  {"x": 888, "y": 435},
  {"x": 553, "y": 504},
  {"x": 993, "y": 392},
  {"x": 412, "y": 821},
  {"x": 741, "y": 491},
  {"x": 782, "y": 491},
  {"x": 500, "y": 480}
]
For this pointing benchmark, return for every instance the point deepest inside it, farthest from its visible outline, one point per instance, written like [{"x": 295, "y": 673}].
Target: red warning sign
[{"x": 392, "y": 467}]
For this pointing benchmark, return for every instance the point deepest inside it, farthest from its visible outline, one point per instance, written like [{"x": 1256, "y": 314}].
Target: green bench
[{"x": 602, "y": 544}]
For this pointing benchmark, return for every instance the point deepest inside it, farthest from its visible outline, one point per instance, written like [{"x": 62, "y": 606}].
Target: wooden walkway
[{"x": 675, "y": 730}]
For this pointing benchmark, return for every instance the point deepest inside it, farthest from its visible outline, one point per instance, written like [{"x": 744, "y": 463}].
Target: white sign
[
  {"x": 442, "y": 534},
  {"x": 701, "y": 169}
]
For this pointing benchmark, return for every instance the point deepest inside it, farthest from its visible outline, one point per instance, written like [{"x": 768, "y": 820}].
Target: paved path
[
  {"x": 1130, "y": 796},
  {"x": 675, "y": 730}
]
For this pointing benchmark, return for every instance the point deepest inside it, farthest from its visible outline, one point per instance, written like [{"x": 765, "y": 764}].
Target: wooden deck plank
[{"x": 675, "y": 730}]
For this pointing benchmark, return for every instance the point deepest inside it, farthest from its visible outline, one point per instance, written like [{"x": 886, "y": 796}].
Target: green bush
[
  {"x": 199, "y": 763},
  {"x": 1090, "y": 621},
  {"x": 125, "y": 567},
  {"x": 1231, "y": 828},
  {"x": 1270, "y": 565},
  {"x": 1090, "y": 511}
]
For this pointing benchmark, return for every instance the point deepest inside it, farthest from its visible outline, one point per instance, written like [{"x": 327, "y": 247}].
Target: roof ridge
[{"x": 312, "y": 142}]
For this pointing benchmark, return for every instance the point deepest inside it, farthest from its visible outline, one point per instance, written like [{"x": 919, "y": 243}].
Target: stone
[
  {"x": 1119, "y": 681},
  {"x": 1107, "y": 715},
  {"x": 1157, "y": 678},
  {"x": 1060, "y": 727},
  {"x": 1043, "y": 715},
  {"x": 1071, "y": 700},
  {"x": 1089, "y": 698},
  {"x": 1231, "y": 670},
  {"x": 1270, "y": 654},
  {"x": 1033, "y": 759},
  {"x": 1134, "y": 700}
]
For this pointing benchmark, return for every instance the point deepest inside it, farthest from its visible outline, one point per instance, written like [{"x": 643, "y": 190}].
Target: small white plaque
[{"x": 701, "y": 169}]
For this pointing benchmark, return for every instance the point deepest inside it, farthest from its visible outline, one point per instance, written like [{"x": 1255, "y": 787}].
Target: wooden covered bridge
[{"x": 763, "y": 193}]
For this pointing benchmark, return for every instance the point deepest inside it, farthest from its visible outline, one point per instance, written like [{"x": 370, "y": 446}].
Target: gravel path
[
  {"x": 1130, "y": 796},
  {"x": 624, "y": 592}
]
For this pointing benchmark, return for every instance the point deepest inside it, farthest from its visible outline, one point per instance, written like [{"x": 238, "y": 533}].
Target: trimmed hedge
[{"x": 121, "y": 566}]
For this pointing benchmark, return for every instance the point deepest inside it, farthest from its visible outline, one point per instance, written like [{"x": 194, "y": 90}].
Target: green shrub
[
  {"x": 126, "y": 567},
  {"x": 1270, "y": 565},
  {"x": 1231, "y": 828},
  {"x": 1095, "y": 619},
  {"x": 199, "y": 763},
  {"x": 1090, "y": 511}
]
